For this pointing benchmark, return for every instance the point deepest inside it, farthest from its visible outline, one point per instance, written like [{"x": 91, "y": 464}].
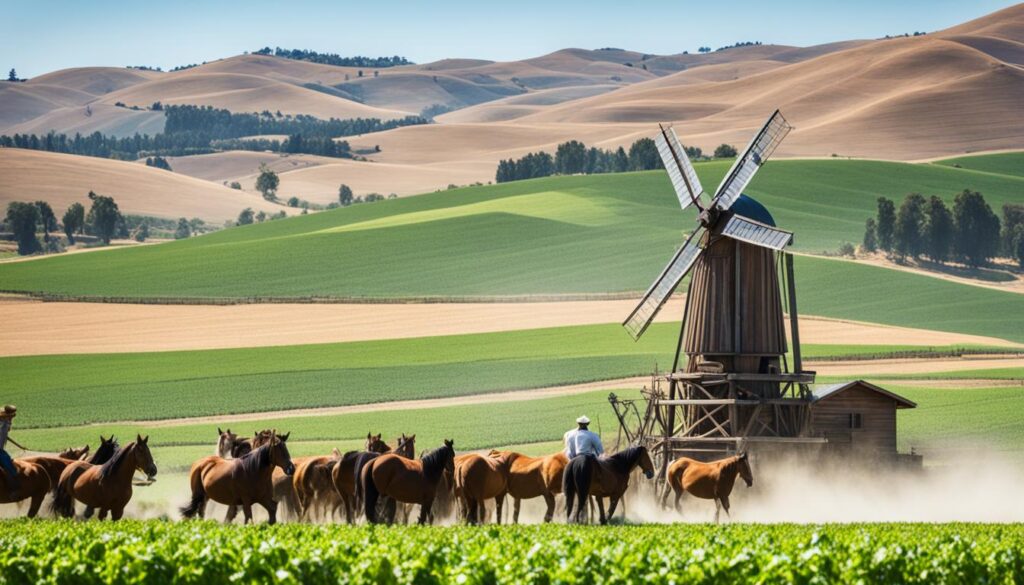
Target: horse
[
  {"x": 405, "y": 480},
  {"x": 313, "y": 485},
  {"x": 710, "y": 481},
  {"x": 107, "y": 487},
  {"x": 534, "y": 477},
  {"x": 479, "y": 478},
  {"x": 602, "y": 477},
  {"x": 55, "y": 465},
  {"x": 244, "y": 481},
  {"x": 345, "y": 472},
  {"x": 33, "y": 483}
]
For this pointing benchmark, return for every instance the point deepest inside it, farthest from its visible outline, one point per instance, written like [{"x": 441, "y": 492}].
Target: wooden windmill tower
[{"x": 735, "y": 387}]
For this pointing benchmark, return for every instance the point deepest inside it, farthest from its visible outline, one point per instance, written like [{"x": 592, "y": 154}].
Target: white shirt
[{"x": 582, "y": 442}]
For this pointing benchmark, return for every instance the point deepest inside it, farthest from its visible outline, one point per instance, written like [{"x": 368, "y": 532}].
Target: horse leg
[
  {"x": 499, "y": 503},
  {"x": 614, "y": 503},
  {"x": 549, "y": 499},
  {"x": 347, "y": 502},
  {"x": 600, "y": 507},
  {"x": 116, "y": 514},
  {"x": 232, "y": 512},
  {"x": 89, "y": 511},
  {"x": 679, "y": 501},
  {"x": 103, "y": 514},
  {"x": 725, "y": 504},
  {"x": 569, "y": 497},
  {"x": 425, "y": 508},
  {"x": 33, "y": 508},
  {"x": 271, "y": 507},
  {"x": 718, "y": 509},
  {"x": 247, "y": 511}
]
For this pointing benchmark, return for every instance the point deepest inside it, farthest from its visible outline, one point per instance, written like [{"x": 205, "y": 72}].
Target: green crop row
[{"x": 161, "y": 552}]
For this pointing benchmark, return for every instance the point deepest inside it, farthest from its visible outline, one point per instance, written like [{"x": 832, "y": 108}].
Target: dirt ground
[{"x": 110, "y": 328}]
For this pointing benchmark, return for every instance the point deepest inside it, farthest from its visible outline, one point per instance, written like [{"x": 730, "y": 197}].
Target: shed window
[{"x": 855, "y": 420}]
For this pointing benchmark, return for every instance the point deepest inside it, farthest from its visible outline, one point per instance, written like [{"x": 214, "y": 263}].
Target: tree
[
  {"x": 13, "y": 75},
  {"x": 870, "y": 243},
  {"x": 47, "y": 220},
  {"x": 235, "y": 185},
  {"x": 345, "y": 195},
  {"x": 184, "y": 229},
  {"x": 246, "y": 217},
  {"x": 293, "y": 201},
  {"x": 938, "y": 230},
  {"x": 1016, "y": 250},
  {"x": 104, "y": 217},
  {"x": 158, "y": 162},
  {"x": 725, "y": 151},
  {"x": 1013, "y": 218},
  {"x": 886, "y": 223},
  {"x": 620, "y": 161},
  {"x": 908, "y": 239},
  {"x": 22, "y": 219},
  {"x": 571, "y": 157},
  {"x": 976, "y": 228},
  {"x": 643, "y": 155},
  {"x": 140, "y": 233},
  {"x": 267, "y": 183},
  {"x": 260, "y": 217},
  {"x": 74, "y": 221}
]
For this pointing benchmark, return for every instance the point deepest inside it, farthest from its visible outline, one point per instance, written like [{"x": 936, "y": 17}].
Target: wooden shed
[{"x": 857, "y": 417}]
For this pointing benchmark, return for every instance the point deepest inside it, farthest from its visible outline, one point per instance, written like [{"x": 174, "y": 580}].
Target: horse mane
[
  {"x": 101, "y": 455},
  {"x": 623, "y": 460},
  {"x": 255, "y": 460},
  {"x": 433, "y": 460},
  {"x": 110, "y": 467}
]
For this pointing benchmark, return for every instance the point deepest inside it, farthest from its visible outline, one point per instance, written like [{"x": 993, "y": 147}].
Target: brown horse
[
  {"x": 535, "y": 477},
  {"x": 710, "y": 481},
  {"x": 33, "y": 484},
  {"x": 55, "y": 465},
  {"x": 479, "y": 478},
  {"x": 602, "y": 477},
  {"x": 239, "y": 482},
  {"x": 314, "y": 490},
  {"x": 107, "y": 487},
  {"x": 405, "y": 480},
  {"x": 345, "y": 473}
]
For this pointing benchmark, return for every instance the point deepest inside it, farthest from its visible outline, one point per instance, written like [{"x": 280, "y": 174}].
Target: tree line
[
  {"x": 334, "y": 58},
  {"x": 574, "y": 158},
  {"x": 201, "y": 130},
  {"x": 24, "y": 220},
  {"x": 970, "y": 232}
]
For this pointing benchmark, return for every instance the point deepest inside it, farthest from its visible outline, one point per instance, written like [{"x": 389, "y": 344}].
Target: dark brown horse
[
  {"x": 709, "y": 481},
  {"x": 345, "y": 472},
  {"x": 106, "y": 487},
  {"x": 33, "y": 484},
  {"x": 239, "y": 482},
  {"x": 535, "y": 477},
  {"x": 602, "y": 477},
  {"x": 406, "y": 480},
  {"x": 479, "y": 478}
]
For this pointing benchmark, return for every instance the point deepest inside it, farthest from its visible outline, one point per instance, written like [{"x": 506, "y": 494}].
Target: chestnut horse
[
  {"x": 345, "y": 473},
  {"x": 313, "y": 487},
  {"x": 239, "y": 482},
  {"x": 33, "y": 484},
  {"x": 405, "y": 480},
  {"x": 602, "y": 477},
  {"x": 55, "y": 465},
  {"x": 479, "y": 478},
  {"x": 107, "y": 487},
  {"x": 535, "y": 477},
  {"x": 710, "y": 481}
]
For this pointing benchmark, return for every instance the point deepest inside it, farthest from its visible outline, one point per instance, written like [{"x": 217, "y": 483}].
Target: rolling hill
[
  {"x": 562, "y": 235},
  {"x": 60, "y": 179}
]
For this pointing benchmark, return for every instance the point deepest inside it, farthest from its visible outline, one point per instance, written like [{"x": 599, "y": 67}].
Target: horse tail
[
  {"x": 370, "y": 494},
  {"x": 569, "y": 488},
  {"x": 63, "y": 504},
  {"x": 583, "y": 477},
  {"x": 198, "y": 495}
]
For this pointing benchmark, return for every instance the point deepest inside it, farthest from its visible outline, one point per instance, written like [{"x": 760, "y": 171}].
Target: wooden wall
[{"x": 830, "y": 418}]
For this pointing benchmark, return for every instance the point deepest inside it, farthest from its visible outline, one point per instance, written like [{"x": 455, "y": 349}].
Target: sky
[{"x": 45, "y": 35}]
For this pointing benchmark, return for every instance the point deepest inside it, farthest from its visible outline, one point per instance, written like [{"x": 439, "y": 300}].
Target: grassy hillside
[
  {"x": 1008, "y": 163},
  {"x": 555, "y": 235}
]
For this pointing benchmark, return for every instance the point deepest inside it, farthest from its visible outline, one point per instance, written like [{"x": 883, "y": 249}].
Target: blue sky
[{"x": 44, "y": 35}]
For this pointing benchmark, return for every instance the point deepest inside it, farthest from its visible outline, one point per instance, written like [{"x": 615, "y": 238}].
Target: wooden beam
[{"x": 798, "y": 363}]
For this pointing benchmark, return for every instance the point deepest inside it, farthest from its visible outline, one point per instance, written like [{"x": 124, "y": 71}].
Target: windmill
[{"x": 736, "y": 386}]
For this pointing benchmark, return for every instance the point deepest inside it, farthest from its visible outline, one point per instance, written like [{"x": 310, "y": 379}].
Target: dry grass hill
[{"x": 949, "y": 92}]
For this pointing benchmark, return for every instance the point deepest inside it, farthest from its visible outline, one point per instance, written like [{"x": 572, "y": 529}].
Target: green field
[
  {"x": 161, "y": 552},
  {"x": 1009, "y": 163},
  {"x": 579, "y": 234}
]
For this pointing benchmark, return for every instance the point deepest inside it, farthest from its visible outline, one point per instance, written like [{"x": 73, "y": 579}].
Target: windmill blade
[
  {"x": 663, "y": 286},
  {"x": 754, "y": 232},
  {"x": 680, "y": 169},
  {"x": 756, "y": 154}
]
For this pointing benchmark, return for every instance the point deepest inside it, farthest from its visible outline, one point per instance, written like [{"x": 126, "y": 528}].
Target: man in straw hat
[
  {"x": 581, "y": 441},
  {"x": 6, "y": 463}
]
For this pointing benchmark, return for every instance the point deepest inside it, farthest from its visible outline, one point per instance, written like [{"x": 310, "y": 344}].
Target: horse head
[
  {"x": 743, "y": 465},
  {"x": 105, "y": 451},
  {"x": 406, "y": 446},
  {"x": 143, "y": 457},
  {"x": 279, "y": 455},
  {"x": 374, "y": 444},
  {"x": 226, "y": 441},
  {"x": 645, "y": 462},
  {"x": 449, "y": 463},
  {"x": 74, "y": 453}
]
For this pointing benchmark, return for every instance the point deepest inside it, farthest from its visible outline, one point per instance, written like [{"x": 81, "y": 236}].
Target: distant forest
[
  {"x": 203, "y": 129},
  {"x": 334, "y": 59}
]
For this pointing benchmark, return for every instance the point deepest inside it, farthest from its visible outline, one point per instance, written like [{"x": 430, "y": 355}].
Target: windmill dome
[{"x": 749, "y": 207}]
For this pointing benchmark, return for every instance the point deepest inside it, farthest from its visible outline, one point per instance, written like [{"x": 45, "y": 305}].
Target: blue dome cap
[{"x": 749, "y": 207}]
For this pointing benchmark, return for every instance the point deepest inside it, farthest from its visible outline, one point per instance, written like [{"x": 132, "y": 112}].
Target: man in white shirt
[{"x": 581, "y": 441}]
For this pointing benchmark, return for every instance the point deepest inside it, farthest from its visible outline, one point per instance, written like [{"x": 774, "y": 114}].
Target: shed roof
[{"x": 823, "y": 391}]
